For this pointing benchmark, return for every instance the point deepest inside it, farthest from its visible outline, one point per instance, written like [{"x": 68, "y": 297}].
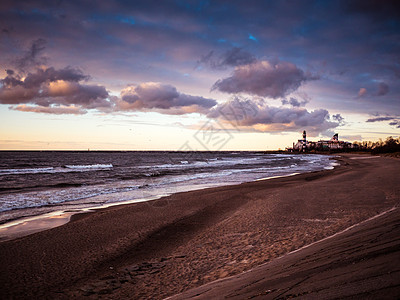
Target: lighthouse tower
[{"x": 304, "y": 141}]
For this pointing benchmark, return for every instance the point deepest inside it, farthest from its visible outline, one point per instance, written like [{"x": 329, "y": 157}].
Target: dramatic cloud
[
  {"x": 383, "y": 89},
  {"x": 49, "y": 90},
  {"x": 50, "y": 87},
  {"x": 231, "y": 58},
  {"x": 261, "y": 117},
  {"x": 140, "y": 41},
  {"x": 154, "y": 96},
  {"x": 264, "y": 78}
]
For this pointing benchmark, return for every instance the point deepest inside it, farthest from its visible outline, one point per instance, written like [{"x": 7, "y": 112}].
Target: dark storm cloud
[
  {"x": 272, "y": 119},
  {"x": 264, "y": 79},
  {"x": 163, "y": 98}
]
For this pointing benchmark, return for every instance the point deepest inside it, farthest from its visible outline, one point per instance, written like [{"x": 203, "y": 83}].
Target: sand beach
[{"x": 235, "y": 242}]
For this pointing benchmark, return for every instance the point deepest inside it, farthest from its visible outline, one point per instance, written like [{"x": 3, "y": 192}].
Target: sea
[{"x": 39, "y": 182}]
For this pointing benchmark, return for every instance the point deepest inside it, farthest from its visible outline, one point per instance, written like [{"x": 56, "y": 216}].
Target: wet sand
[{"x": 171, "y": 245}]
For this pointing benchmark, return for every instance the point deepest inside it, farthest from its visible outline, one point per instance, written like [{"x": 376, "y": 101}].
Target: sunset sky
[{"x": 196, "y": 75}]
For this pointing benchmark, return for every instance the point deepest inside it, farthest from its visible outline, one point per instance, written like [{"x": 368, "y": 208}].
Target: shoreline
[
  {"x": 24, "y": 226},
  {"x": 171, "y": 245}
]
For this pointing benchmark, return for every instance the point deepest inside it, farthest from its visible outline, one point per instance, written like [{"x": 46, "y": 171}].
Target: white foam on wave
[
  {"x": 332, "y": 165},
  {"x": 67, "y": 168},
  {"x": 211, "y": 162},
  {"x": 52, "y": 197},
  {"x": 95, "y": 166},
  {"x": 26, "y": 171}
]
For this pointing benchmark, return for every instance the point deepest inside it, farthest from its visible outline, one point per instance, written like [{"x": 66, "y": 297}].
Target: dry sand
[
  {"x": 360, "y": 263},
  {"x": 171, "y": 245}
]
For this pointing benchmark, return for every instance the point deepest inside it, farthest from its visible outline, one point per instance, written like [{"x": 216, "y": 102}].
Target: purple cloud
[
  {"x": 395, "y": 120},
  {"x": 275, "y": 119},
  {"x": 338, "y": 118},
  {"x": 49, "y": 87},
  {"x": 395, "y": 123},
  {"x": 380, "y": 119},
  {"x": 61, "y": 91},
  {"x": 294, "y": 102},
  {"x": 163, "y": 98},
  {"x": 264, "y": 78}
]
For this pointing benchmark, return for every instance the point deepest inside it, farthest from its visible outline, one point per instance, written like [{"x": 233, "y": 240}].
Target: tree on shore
[{"x": 390, "y": 145}]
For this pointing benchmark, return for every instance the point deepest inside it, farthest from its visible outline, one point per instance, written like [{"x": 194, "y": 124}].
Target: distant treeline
[{"x": 390, "y": 145}]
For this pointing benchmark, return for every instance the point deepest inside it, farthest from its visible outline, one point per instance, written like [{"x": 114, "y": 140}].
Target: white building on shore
[{"x": 303, "y": 145}]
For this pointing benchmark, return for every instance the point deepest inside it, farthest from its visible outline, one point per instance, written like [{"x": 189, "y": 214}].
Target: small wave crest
[
  {"x": 26, "y": 171},
  {"x": 95, "y": 166},
  {"x": 66, "y": 168}
]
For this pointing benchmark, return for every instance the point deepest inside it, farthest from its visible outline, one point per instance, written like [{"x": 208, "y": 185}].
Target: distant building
[{"x": 323, "y": 145}]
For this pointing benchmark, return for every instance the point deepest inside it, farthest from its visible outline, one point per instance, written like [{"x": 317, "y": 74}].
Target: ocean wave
[
  {"x": 146, "y": 176},
  {"x": 64, "y": 169},
  {"x": 154, "y": 174},
  {"x": 211, "y": 162},
  {"x": 53, "y": 198},
  {"x": 26, "y": 171}
]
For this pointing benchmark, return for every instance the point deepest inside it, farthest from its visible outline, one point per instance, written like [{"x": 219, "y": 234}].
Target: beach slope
[{"x": 360, "y": 263}]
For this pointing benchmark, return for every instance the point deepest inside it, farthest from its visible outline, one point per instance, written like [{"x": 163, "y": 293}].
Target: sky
[{"x": 196, "y": 75}]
